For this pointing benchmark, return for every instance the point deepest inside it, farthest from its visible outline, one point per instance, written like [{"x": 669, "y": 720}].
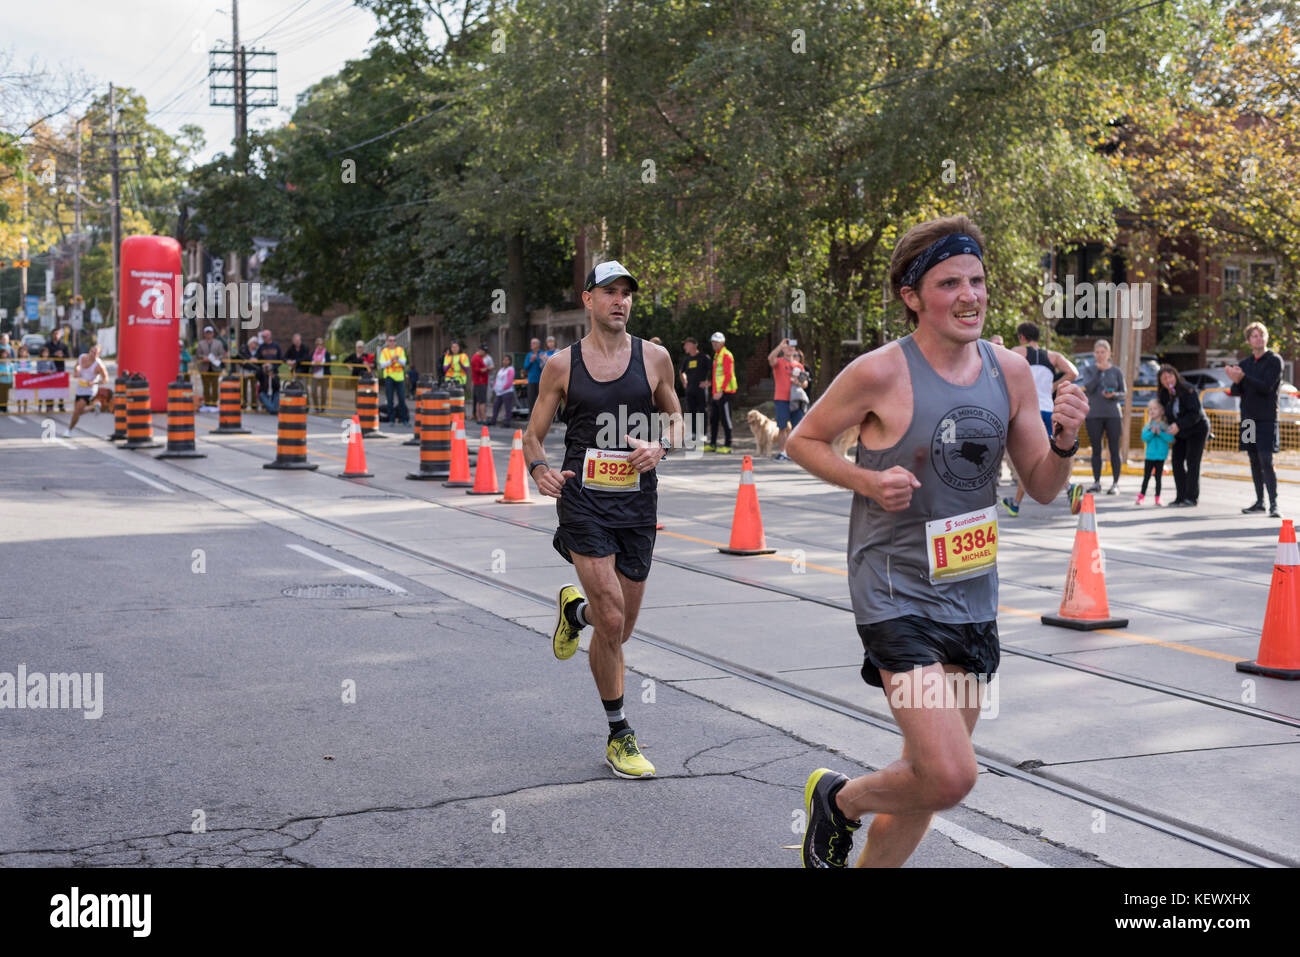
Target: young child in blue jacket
[{"x": 1155, "y": 433}]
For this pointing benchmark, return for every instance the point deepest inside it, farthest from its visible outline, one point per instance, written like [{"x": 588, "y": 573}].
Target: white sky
[{"x": 160, "y": 48}]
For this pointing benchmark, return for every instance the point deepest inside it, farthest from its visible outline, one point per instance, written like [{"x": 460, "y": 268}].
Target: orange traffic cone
[
  {"x": 747, "y": 523},
  {"x": 485, "y": 473},
  {"x": 459, "y": 456},
  {"x": 1279, "y": 645},
  {"x": 1084, "y": 606},
  {"x": 355, "y": 467},
  {"x": 516, "y": 487}
]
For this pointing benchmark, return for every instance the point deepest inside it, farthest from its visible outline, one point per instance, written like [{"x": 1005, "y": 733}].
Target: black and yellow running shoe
[
  {"x": 828, "y": 837},
  {"x": 625, "y": 758},
  {"x": 564, "y": 640}
]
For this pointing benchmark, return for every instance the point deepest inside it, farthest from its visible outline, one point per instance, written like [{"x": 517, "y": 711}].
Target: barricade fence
[{"x": 328, "y": 394}]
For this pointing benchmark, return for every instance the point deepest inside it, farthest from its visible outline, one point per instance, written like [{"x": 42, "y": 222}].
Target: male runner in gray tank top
[
  {"x": 934, "y": 411},
  {"x": 606, "y": 486}
]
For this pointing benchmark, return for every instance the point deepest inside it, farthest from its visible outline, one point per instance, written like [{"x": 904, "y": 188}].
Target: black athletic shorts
[
  {"x": 901, "y": 644},
  {"x": 632, "y": 547}
]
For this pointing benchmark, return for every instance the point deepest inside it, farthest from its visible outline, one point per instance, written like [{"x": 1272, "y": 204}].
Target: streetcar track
[{"x": 1039, "y": 778}]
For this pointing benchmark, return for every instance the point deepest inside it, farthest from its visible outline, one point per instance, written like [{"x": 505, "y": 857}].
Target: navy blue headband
[{"x": 954, "y": 244}]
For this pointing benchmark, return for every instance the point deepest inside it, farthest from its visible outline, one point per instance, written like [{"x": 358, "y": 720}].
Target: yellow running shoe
[
  {"x": 564, "y": 640},
  {"x": 625, "y": 759}
]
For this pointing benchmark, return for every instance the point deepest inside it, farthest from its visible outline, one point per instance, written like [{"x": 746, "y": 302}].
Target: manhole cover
[{"x": 333, "y": 591}]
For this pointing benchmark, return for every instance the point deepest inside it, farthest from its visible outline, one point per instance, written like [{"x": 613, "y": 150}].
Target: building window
[
  {"x": 1086, "y": 310},
  {"x": 1233, "y": 314}
]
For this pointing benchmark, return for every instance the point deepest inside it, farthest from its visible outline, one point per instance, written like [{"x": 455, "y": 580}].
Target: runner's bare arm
[
  {"x": 1042, "y": 471},
  {"x": 659, "y": 366},
  {"x": 550, "y": 390},
  {"x": 848, "y": 402},
  {"x": 1064, "y": 365}
]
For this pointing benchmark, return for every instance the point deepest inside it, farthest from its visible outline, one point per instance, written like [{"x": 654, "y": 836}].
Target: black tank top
[{"x": 598, "y": 416}]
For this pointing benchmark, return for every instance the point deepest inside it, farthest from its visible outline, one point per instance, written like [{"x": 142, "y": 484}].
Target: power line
[{"x": 278, "y": 22}]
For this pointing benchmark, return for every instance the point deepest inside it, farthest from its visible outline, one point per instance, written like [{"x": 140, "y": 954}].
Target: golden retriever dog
[
  {"x": 846, "y": 443},
  {"x": 765, "y": 433}
]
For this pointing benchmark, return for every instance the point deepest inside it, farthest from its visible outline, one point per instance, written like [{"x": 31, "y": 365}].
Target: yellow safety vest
[
  {"x": 392, "y": 370},
  {"x": 724, "y": 371},
  {"x": 455, "y": 367}
]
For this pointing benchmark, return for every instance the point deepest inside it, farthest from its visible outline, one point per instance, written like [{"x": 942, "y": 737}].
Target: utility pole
[
  {"x": 115, "y": 203},
  {"x": 260, "y": 63},
  {"x": 76, "y": 239},
  {"x": 22, "y": 302}
]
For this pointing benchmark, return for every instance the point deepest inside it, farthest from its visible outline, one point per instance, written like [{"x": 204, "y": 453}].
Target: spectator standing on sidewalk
[
  {"x": 697, "y": 371},
  {"x": 724, "y": 387},
  {"x": 320, "y": 367},
  {"x": 1157, "y": 438},
  {"x": 6, "y": 375},
  {"x": 297, "y": 356},
  {"x": 392, "y": 369},
  {"x": 45, "y": 364},
  {"x": 781, "y": 359},
  {"x": 1257, "y": 380},
  {"x": 1104, "y": 385},
  {"x": 533, "y": 369},
  {"x": 211, "y": 354},
  {"x": 269, "y": 356},
  {"x": 60, "y": 351},
  {"x": 1190, "y": 429},
  {"x": 503, "y": 390},
  {"x": 479, "y": 367}
]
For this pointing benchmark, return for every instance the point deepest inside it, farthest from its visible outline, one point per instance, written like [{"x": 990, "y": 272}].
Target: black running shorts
[
  {"x": 631, "y": 547},
  {"x": 901, "y": 644}
]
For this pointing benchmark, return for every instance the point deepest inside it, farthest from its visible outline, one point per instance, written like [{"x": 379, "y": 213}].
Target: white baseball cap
[
  {"x": 605, "y": 273},
  {"x": 717, "y": 337}
]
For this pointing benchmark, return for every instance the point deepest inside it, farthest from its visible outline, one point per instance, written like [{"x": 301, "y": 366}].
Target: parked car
[
  {"x": 34, "y": 342},
  {"x": 1288, "y": 399}
]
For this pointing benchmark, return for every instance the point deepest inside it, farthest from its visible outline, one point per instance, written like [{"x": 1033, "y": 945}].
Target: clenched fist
[
  {"x": 892, "y": 488},
  {"x": 1068, "y": 413}
]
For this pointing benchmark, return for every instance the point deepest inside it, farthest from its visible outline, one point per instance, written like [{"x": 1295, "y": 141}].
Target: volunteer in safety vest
[
  {"x": 392, "y": 369},
  {"x": 455, "y": 366},
  {"x": 724, "y": 387}
]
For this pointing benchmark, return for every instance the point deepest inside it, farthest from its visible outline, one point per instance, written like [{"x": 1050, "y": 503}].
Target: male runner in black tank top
[{"x": 613, "y": 385}]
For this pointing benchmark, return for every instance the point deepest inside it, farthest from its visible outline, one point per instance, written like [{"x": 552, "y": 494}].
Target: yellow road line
[{"x": 1176, "y": 646}]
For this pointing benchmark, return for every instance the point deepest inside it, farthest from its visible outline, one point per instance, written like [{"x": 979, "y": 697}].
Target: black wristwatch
[
  {"x": 532, "y": 465},
  {"x": 1064, "y": 453},
  {"x": 663, "y": 444}
]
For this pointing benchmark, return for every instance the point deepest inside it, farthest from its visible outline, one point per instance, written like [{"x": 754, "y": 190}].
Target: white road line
[
  {"x": 983, "y": 846},
  {"x": 148, "y": 481},
  {"x": 18, "y": 418},
  {"x": 62, "y": 441},
  {"x": 373, "y": 579}
]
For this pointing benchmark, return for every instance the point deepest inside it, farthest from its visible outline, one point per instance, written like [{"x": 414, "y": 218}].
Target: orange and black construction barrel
[
  {"x": 368, "y": 405},
  {"x": 180, "y": 422},
  {"x": 119, "y": 407},
  {"x": 423, "y": 387},
  {"x": 435, "y": 438},
  {"x": 456, "y": 402},
  {"x": 139, "y": 420},
  {"x": 291, "y": 430},
  {"x": 228, "y": 414}
]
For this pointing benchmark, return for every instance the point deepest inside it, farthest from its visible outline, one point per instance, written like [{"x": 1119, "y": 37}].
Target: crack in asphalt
[{"x": 182, "y": 848}]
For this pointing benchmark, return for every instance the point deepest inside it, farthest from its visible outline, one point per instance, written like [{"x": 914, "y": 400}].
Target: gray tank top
[{"x": 953, "y": 446}]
